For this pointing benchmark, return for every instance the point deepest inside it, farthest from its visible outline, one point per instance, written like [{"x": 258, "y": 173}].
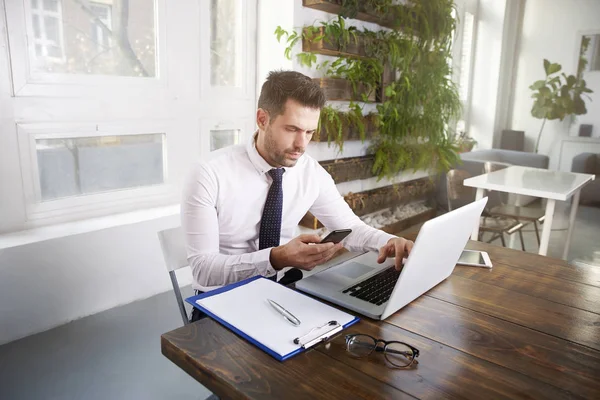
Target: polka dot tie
[{"x": 270, "y": 224}]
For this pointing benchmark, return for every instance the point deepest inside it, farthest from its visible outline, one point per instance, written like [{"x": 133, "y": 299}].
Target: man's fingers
[
  {"x": 383, "y": 253},
  {"x": 326, "y": 255},
  {"x": 308, "y": 238},
  {"x": 409, "y": 246}
]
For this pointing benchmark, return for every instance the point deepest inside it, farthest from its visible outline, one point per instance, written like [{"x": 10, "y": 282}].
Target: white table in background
[{"x": 551, "y": 185}]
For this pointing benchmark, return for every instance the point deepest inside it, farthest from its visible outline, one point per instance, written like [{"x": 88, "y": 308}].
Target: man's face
[{"x": 282, "y": 141}]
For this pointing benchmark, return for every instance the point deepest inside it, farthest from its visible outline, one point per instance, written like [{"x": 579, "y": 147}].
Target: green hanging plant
[{"x": 420, "y": 101}]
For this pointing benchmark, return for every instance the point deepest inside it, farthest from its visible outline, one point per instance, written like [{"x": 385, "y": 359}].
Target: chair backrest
[
  {"x": 173, "y": 248},
  {"x": 458, "y": 193},
  {"x": 490, "y": 166},
  {"x": 512, "y": 140}
]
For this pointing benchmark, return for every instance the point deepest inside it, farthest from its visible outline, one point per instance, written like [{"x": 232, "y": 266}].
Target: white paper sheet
[{"x": 246, "y": 308}]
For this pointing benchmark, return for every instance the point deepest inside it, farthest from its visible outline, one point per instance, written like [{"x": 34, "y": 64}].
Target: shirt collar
[{"x": 261, "y": 165}]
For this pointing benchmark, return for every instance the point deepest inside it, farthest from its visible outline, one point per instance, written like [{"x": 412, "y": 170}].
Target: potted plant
[{"x": 557, "y": 96}]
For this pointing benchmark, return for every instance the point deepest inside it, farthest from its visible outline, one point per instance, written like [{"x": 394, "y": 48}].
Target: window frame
[
  {"x": 244, "y": 125},
  {"x": 84, "y": 204},
  {"x": 26, "y": 82},
  {"x": 247, "y": 90}
]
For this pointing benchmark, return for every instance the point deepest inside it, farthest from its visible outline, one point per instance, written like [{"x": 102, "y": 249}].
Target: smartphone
[
  {"x": 336, "y": 236},
  {"x": 475, "y": 259}
]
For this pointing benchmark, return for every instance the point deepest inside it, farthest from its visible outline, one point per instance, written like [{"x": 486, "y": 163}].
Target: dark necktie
[{"x": 270, "y": 224}]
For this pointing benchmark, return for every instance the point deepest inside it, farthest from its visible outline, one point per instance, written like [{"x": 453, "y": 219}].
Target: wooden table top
[{"x": 528, "y": 328}]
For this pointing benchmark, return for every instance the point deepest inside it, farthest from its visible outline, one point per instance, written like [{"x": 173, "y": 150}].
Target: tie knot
[{"x": 276, "y": 174}]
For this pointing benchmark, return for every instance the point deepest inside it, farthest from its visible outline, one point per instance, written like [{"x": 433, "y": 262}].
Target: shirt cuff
[
  {"x": 263, "y": 260},
  {"x": 383, "y": 238}
]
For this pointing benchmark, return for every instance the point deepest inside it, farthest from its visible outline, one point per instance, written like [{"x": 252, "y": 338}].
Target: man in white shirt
[{"x": 270, "y": 180}]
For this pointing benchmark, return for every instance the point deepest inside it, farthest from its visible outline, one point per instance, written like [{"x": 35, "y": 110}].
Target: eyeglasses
[{"x": 398, "y": 354}]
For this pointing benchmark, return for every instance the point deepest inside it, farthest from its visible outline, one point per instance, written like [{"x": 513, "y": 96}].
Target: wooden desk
[{"x": 530, "y": 327}]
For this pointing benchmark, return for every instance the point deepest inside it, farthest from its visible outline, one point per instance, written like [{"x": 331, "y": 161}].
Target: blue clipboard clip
[{"x": 308, "y": 342}]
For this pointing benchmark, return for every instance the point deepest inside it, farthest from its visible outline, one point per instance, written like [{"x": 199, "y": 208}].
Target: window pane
[
  {"x": 51, "y": 29},
  {"x": 51, "y": 5},
  {"x": 96, "y": 38},
  {"x": 37, "y": 32},
  {"x": 85, "y": 165},
  {"x": 465, "y": 57},
  {"x": 223, "y": 138},
  {"x": 226, "y": 43}
]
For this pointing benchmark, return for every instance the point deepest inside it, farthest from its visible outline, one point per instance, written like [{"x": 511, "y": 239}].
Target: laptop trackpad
[{"x": 352, "y": 270}]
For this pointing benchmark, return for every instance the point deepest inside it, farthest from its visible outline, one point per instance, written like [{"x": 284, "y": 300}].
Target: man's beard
[{"x": 275, "y": 155}]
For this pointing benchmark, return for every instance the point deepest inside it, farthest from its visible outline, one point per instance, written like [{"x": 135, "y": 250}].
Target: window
[
  {"x": 463, "y": 56},
  {"x": 223, "y": 137},
  {"x": 226, "y": 43},
  {"x": 84, "y": 165},
  {"x": 46, "y": 20},
  {"x": 464, "y": 81},
  {"x": 114, "y": 123},
  {"x": 81, "y": 37}
]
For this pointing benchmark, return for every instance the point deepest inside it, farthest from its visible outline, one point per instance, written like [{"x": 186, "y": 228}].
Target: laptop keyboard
[{"x": 376, "y": 289}]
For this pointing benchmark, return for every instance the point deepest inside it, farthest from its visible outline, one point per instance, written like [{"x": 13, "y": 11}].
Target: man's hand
[
  {"x": 396, "y": 247},
  {"x": 300, "y": 254}
]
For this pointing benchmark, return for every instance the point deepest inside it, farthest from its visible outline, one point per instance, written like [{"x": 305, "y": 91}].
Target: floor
[
  {"x": 116, "y": 354},
  {"x": 111, "y": 355},
  {"x": 585, "y": 238}
]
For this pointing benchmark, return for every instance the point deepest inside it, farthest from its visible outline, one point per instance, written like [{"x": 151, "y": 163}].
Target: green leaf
[
  {"x": 554, "y": 68},
  {"x": 571, "y": 80},
  {"x": 538, "y": 85},
  {"x": 279, "y": 32},
  {"x": 546, "y": 66}
]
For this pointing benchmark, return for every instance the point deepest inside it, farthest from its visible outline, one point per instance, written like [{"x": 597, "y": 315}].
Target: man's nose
[{"x": 301, "y": 140}]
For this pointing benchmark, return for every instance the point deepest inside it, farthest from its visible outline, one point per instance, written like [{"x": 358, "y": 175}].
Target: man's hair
[{"x": 283, "y": 85}]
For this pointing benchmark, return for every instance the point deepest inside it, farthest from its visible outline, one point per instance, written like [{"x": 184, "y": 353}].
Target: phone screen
[{"x": 471, "y": 257}]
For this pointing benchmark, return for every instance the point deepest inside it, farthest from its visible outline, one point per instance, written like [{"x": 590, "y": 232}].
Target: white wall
[
  {"x": 550, "y": 30},
  {"x": 49, "y": 283}
]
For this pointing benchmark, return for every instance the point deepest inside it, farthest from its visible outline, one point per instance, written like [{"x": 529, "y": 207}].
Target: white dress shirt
[{"x": 223, "y": 202}]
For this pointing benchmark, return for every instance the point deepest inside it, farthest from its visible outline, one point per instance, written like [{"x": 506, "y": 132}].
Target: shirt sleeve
[
  {"x": 333, "y": 211},
  {"x": 200, "y": 225}
]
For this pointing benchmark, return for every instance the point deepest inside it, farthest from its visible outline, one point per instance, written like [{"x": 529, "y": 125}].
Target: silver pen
[{"x": 286, "y": 314}]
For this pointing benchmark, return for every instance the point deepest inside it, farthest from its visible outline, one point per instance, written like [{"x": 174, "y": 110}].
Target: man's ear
[{"x": 262, "y": 118}]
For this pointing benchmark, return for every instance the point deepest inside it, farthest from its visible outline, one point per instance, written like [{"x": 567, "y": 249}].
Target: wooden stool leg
[{"x": 502, "y": 238}]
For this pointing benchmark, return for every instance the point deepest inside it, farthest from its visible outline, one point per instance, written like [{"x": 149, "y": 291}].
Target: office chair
[
  {"x": 174, "y": 253},
  {"x": 532, "y": 215},
  {"x": 459, "y": 195}
]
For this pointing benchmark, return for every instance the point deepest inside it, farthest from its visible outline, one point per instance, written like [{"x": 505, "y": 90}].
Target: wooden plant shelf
[
  {"x": 335, "y": 7},
  {"x": 381, "y": 198},
  {"x": 349, "y": 169},
  {"x": 389, "y": 196},
  {"x": 337, "y": 89},
  {"x": 329, "y": 48},
  {"x": 399, "y": 226}
]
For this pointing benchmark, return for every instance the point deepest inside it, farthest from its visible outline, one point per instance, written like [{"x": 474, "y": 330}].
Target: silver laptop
[{"x": 378, "y": 290}]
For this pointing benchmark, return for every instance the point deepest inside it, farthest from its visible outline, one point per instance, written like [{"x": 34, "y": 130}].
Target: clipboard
[{"x": 243, "y": 308}]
